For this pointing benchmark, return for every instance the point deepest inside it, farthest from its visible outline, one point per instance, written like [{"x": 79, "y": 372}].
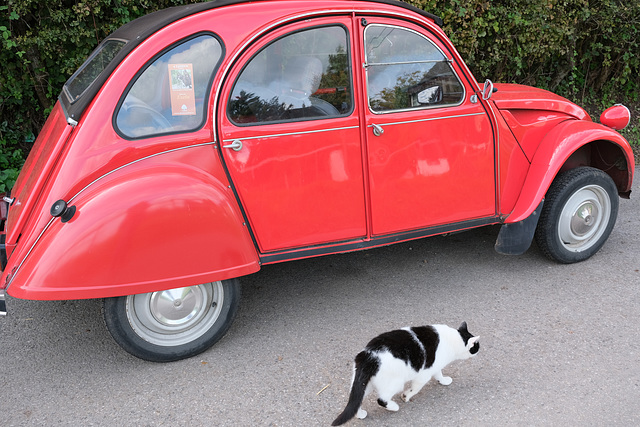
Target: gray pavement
[{"x": 560, "y": 345}]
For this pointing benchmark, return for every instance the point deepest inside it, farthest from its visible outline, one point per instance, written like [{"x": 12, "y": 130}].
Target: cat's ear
[{"x": 463, "y": 327}]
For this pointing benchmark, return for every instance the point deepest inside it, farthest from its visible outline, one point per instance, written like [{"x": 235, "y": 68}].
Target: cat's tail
[{"x": 367, "y": 365}]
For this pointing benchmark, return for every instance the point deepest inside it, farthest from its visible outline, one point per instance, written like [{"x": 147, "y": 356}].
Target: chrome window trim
[
  {"x": 446, "y": 59},
  {"x": 345, "y": 12}
]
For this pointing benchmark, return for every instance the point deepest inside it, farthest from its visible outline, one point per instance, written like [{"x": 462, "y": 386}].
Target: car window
[
  {"x": 91, "y": 69},
  {"x": 405, "y": 70},
  {"x": 169, "y": 96},
  {"x": 303, "y": 75}
]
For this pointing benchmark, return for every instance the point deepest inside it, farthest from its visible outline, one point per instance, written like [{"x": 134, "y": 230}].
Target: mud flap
[{"x": 515, "y": 239}]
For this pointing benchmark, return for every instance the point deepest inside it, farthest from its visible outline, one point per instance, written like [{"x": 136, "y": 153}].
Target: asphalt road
[{"x": 560, "y": 345}]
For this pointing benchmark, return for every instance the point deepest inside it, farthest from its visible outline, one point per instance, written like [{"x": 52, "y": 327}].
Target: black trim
[
  {"x": 354, "y": 245},
  {"x": 515, "y": 238}
]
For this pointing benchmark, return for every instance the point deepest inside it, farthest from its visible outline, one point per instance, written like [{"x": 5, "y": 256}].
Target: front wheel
[
  {"x": 578, "y": 215},
  {"x": 175, "y": 324}
]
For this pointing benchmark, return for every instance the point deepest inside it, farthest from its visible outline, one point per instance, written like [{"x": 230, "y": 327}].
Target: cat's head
[{"x": 471, "y": 343}]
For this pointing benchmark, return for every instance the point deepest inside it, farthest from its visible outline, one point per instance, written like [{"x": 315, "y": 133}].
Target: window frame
[
  {"x": 349, "y": 54},
  {"x": 149, "y": 63},
  {"x": 447, "y": 60}
]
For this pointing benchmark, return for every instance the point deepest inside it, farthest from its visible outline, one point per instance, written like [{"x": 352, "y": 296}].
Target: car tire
[
  {"x": 578, "y": 215},
  {"x": 175, "y": 324}
]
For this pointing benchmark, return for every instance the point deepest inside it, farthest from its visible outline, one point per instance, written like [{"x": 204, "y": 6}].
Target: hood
[{"x": 520, "y": 97}]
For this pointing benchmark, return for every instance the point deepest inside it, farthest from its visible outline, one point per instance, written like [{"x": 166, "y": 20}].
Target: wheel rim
[
  {"x": 584, "y": 218},
  {"x": 175, "y": 316}
]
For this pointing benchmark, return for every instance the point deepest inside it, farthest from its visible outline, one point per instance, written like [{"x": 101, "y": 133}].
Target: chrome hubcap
[
  {"x": 584, "y": 218},
  {"x": 175, "y": 316}
]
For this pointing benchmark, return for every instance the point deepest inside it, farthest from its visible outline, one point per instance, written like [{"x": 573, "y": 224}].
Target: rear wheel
[
  {"x": 578, "y": 215},
  {"x": 175, "y": 324}
]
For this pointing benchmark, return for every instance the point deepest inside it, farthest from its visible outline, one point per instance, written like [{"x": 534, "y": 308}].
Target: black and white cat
[{"x": 394, "y": 358}]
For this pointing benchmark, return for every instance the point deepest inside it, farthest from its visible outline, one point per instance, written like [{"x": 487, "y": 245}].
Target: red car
[{"x": 200, "y": 142}]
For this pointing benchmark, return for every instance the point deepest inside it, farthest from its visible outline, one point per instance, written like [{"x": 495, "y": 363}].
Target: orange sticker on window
[{"x": 183, "y": 99}]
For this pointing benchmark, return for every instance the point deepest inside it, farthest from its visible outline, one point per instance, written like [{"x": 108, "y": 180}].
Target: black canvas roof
[{"x": 136, "y": 31}]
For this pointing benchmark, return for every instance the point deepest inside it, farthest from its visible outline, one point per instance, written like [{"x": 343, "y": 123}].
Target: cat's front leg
[{"x": 442, "y": 379}]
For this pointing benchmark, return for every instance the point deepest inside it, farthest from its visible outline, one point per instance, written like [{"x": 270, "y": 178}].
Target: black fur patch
[
  {"x": 382, "y": 403},
  {"x": 430, "y": 340}
]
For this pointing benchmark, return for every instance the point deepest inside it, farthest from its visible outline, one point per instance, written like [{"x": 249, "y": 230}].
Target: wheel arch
[
  {"x": 571, "y": 144},
  {"x": 149, "y": 227}
]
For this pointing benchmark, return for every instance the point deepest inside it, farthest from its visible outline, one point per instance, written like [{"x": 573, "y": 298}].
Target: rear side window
[
  {"x": 303, "y": 75},
  {"x": 406, "y": 71},
  {"x": 91, "y": 69},
  {"x": 170, "y": 95}
]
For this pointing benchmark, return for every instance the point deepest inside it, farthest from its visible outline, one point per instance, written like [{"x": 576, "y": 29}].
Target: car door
[
  {"x": 430, "y": 144},
  {"x": 290, "y": 136}
]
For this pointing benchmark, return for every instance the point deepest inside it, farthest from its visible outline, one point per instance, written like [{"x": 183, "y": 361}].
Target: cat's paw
[
  {"x": 405, "y": 397},
  {"x": 362, "y": 414},
  {"x": 445, "y": 380},
  {"x": 392, "y": 406}
]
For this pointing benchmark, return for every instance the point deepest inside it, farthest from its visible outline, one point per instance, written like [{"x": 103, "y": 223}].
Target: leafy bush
[{"x": 587, "y": 50}]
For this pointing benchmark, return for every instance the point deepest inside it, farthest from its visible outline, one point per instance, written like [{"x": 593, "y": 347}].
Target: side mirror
[{"x": 487, "y": 90}]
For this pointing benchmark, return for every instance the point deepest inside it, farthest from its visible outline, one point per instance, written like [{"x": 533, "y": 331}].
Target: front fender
[
  {"x": 145, "y": 228},
  {"x": 553, "y": 152}
]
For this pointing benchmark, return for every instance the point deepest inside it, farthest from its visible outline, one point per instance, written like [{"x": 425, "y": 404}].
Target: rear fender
[
  {"x": 141, "y": 229},
  {"x": 591, "y": 143}
]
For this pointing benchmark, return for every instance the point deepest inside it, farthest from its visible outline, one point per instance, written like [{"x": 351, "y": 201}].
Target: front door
[
  {"x": 430, "y": 146},
  {"x": 291, "y": 137}
]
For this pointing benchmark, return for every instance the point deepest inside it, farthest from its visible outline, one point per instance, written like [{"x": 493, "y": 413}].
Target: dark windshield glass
[{"x": 91, "y": 69}]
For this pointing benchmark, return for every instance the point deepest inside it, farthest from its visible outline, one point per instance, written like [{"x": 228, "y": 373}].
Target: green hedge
[{"x": 587, "y": 50}]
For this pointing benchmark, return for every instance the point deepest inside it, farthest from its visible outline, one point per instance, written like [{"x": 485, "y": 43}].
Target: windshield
[{"x": 91, "y": 69}]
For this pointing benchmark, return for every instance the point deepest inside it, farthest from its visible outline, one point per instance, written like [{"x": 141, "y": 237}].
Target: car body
[{"x": 200, "y": 142}]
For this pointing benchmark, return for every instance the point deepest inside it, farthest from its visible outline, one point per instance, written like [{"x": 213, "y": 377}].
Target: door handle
[
  {"x": 377, "y": 129},
  {"x": 235, "y": 145}
]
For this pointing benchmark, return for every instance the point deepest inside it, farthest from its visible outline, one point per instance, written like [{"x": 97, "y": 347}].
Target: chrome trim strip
[
  {"x": 426, "y": 61},
  {"x": 276, "y": 135},
  {"x": 46, "y": 227},
  {"x": 428, "y": 120}
]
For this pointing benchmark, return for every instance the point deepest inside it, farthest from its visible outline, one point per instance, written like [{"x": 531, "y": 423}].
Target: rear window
[
  {"x": 91, "y": 69},
  {"x": 170, "y": 94}
]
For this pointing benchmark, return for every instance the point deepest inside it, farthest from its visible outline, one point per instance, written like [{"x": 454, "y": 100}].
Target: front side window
[
  {"x": 170, "y": 94},
  {"x": 405, "y": 71},
  {"x": 304, "y": 75}
]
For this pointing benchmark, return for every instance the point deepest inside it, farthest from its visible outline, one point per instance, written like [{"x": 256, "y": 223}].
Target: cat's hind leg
[
  {"x": 386, "y": 393},
  {"x": 415, "y": 386},
  {"x": 442, "y": 379}
]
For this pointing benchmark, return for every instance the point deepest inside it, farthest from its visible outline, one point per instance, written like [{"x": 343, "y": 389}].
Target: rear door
[
  {"x": 430, "y": 146},
  {"x": 291, "y": 136}
]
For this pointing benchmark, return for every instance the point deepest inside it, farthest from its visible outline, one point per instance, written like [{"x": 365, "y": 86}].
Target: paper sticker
[{"x": 183, "y": 99}]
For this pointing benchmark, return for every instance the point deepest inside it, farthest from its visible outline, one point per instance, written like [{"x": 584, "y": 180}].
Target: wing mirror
[{"x": 487, "y": 90}]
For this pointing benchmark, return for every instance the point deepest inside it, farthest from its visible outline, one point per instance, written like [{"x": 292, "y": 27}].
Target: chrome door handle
[
  {"x": 377, "y": 130},
  {"x": 235, "y": 145}
]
